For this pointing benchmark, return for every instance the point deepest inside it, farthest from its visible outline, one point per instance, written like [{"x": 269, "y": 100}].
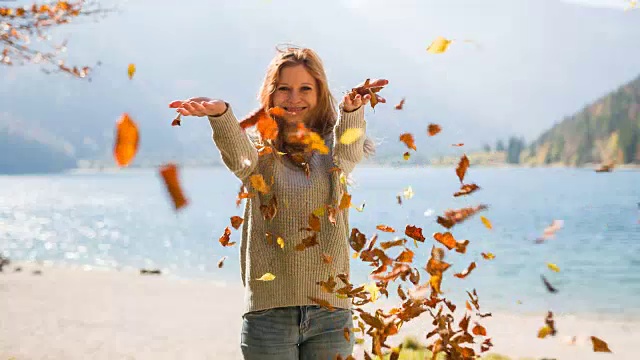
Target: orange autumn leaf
[
  {"x": 599, "y": 345},
  {"x": 345, "y": 201},
  {"x": 450, "y": 242},
  {"x": 389, "y": 244},
  {"x": 433, "y": 129},
  {"x": 268, "y": 128},
  {"x": 126, "y": 141},
  {"x": 463, "y": 165},
  {"x": 414, "y": 233},
  {"x": 466, "y": 271},
  {"x": 169, "y": 173},
  {"x": 270, "y": 209},
  {"x": 277, "y": 111},
  {"x": 131, "y": 69},
  {"x": 488, "y": 256},
  {"x": 309, "y": 241},
  {"x": 321, "y": 302},
  {"x": 407, "y": 139},
  {"x": 347, "y": 334},
  {"x": 236, "y": 221},
  {"x": 385, "y": 228},
  {"x": 405, "y": 256},
  {"x": 458, "y": 144},
  {"x": 400, "y": 105},
  {"x": 326, "y": 258},
  {"x": 479, "y": 330},
  {"x": 257, "y": 181},
  {"x": 314, "y": 223},
  {"x": 225, "y": 238},
  {"x": 466, "y": 189}
]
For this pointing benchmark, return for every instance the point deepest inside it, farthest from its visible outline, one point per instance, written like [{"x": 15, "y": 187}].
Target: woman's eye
[{"x": 283, "y": 88}]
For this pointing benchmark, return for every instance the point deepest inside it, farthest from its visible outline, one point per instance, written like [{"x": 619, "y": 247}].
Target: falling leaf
[
  {"x": 345, "y": 201},
  {"x": 309, "y": 241},
  {"x": 550, "y": 231},
  {"x": 599, "y": 345},
  {"x": 408, "y": 193},
  {"x": 400, "y": 105},
  {"x": 433, "y": 129},
  {"x": 466, "y": 271},
  {"x": 450, "y": 242},
  {"x": 226, "y": 237},
  {"x": 385, "y": 228},
  {"x": 466, "y": 189},
  {"x": 169, "y": 173},
  {"x": 126, "y": 141},
  {"x": 408, "y": 139},
  {"x": 269, "y": 210},
  {"x": 347, "y": 334},
  {"x": 314, "y": 223},
  {"x": 553, "y": 267},
  {"x": 439, "y": 45},
  {"x": 321, "y": 302},
  {"x": 458, "y": 144},
  {"x": 486, "y": 222},
  {"x": 280, "y": 241},
  {"x": 544, "y": 332},
  {"x": 406, "y": 155},
  {"x": 479, "y": 330},
  {"x": 131, "y": 69},
  {"x": 236, "y": 221},
  {"x": 373, "y": 290},
  {"x": 548, "y": 285},
  {"x": 357, "y": 240},
  {"x": 405, "y": 256},
  {"x": 221, "y": 262},
  {"x": 351, "y": 135},
  {"x": 267, "y": 277},
  {"x": 258, "y": 183},
  {"x": 488, "y": 256},
  {"x": 463, "y": 165},
  {"x": 326, "y": 258},
  {"x": 176, "y": 121},
  {"x": 414, "y": 233}
]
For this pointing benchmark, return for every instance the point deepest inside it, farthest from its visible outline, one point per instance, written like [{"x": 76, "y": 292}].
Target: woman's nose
[{"x": 294, "y": 96}]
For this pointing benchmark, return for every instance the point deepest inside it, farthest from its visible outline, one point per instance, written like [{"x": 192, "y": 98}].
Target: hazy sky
[{"x": 528, "y": 64}]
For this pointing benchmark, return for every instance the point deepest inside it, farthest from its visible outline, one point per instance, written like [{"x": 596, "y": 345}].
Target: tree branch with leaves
[{"x": 21, "y": 25}]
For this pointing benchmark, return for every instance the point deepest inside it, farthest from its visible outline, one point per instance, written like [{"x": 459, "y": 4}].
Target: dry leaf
[
  {"x": 236, "y": 221},
  {"x": 439, "y": 45},
  {"x": 351, "y": 135},
  {"x": 463, "y": 165},
  {"x": 221, "y": 262},
  {"x": 226, "y": 237},
  {"x": 408, "y": 139},
  {"x": 553, "y": 267},
  {"x": 486, "y": 222},
  {"x": 326, "y": 258},
  {"x": 131, "y": 69},
  {"x": 488, "y": 256},
  {"x": 406, "y": 155},
  {"x": 169, "y": 173},
  {"x": 126, "y": 141},
  {"x": 400, "y": 105},
  {"x": 385, "y": 228},
  {"x": 599, "y": 345},
  {"x": 433, "y": 129},
  {"x": 258, "y": 183},
  {"x": 466, "y": 271},
  {"x": 267, "y": 277},
  {"x": 466, "y": 189}
]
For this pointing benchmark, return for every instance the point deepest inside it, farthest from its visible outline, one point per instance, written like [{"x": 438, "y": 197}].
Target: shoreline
[{"x": 71, "y": 313}]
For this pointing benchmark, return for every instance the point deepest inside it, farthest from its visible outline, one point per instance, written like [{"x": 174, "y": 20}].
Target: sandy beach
[{"x": 72, "y": 313}]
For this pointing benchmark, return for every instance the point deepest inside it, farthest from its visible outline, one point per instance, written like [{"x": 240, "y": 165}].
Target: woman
[{"x": 280, "y": 320}]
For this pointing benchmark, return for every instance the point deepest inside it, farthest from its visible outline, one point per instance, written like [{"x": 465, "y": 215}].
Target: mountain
[{"x": 607, "y": 130}]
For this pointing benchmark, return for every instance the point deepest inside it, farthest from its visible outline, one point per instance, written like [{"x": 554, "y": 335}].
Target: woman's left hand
[{"x": 351, "y": 105}]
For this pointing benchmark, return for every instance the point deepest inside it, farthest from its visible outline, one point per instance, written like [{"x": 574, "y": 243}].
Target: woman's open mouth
[{"x": 296, "y": 109}]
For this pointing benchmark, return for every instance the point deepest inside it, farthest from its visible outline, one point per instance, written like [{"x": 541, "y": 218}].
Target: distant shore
[{"x": 72, "y": 313}]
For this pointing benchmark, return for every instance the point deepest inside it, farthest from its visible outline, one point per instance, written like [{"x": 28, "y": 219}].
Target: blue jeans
[{"x": 297, "y": 332}]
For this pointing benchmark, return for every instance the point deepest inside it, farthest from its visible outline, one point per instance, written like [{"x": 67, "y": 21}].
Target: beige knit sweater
[{"x": 296, "y": 272}]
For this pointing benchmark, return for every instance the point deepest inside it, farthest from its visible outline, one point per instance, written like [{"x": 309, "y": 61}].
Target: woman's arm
[
  {"x": 238, "y": 152},
  {"x": 347, "y": 156}
]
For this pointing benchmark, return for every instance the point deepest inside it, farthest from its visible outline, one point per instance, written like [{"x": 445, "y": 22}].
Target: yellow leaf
[
  {"x": 257, "y": 181},
  {"x": 355, "y": 255},
  {"x": 319, "y": 212},
  {"x": 544, "y": 331},
  {"x": 408, "y": 193},
  {"x": 350, "y": 136},
  {"x": 359, "y": 209},
  {"x": 486, "y": 222},
  {"x": 316, "y": 142},
  {"x": 267, "y": 277},
  {"x": 372, "y": 289},
  {"x": 406, "y": 155},
  {"x": 280, "y": 242},
  {"x": 553, "y": 267},
  {"x": 131, "y": 70},
  {"x": 439, "y": 45}
]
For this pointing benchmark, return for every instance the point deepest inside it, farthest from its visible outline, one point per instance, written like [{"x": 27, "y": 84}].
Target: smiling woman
[{"x": 295, "y": 233}]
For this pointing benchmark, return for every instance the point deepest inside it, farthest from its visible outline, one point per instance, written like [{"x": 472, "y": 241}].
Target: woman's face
[{"x": 296, "y": 92}]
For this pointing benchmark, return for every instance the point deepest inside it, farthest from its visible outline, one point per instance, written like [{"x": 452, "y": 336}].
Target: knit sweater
[{"x": 296, "y": 272}]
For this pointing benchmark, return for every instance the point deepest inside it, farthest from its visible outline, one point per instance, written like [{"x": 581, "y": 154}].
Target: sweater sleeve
[
  {"x": 237, "y": 151},
  {"x": 346, "y": 157}
]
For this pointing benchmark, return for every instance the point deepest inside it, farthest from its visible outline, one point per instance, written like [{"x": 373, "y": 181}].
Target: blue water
[{"x": 125, "y": 219}]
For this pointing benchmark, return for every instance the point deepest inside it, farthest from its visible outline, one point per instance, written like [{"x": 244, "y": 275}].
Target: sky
[{"x": 515, "y": 67}]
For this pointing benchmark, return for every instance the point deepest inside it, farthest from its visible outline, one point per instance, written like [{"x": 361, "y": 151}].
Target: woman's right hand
[{"x": 199, "y": 106}]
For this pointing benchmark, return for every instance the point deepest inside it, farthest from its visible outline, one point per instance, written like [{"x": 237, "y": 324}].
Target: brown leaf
[
  {"x": 414, "y": 233},
  {"x": 221, "y": 262},
  {"x": 466, "y": 189},
  {"x": 488, "y": 256},
  {"x": 127, "y": 140},
  {"x": 408, "y": 140},
  {"x": 236, "y": 221},
  {"x": 258, "y": 183},
  {"x": 269, "y": 211},
  {"x": 169, "y": 173},
  {"x": 309, "y": 241},
  {"x": 466, "y": 271},
  {"x": 327, "y": 259},
  {"x": 357, "y": 240},
  {"x": 463, "y": 165},
  {"x": 599, "y": 345},
  {"x": 345, "y": 201},
  {"x": 389, "y": 244},
  {"x": 458, "y": 144},
  {"x": 548, "y": 285},
  {"x": 433, "y": 129},
  {"x": 385, "y": 228},
  {"x": 400, "y": 105},
  {"x": 479, "y": 330},
  {"x": 321, "y": 302},
  {"x": 314, "y": 223},
  {"x": 224, "y": 239},
  {"x": 406, "y": 256}
]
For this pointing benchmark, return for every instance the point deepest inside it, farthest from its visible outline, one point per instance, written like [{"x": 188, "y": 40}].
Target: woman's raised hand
[
  {"x": 199, "y": 106},
  {"x": 358, "y": 100}
]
